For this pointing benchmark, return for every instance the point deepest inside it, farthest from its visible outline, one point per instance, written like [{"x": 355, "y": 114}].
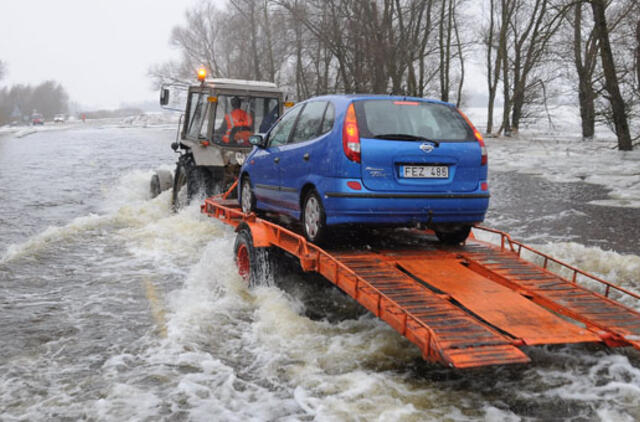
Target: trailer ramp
[{"x": 464, "y": 306}]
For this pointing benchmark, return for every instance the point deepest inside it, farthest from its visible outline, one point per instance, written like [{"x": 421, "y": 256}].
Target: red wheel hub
[{"x": 242, "y": 261}]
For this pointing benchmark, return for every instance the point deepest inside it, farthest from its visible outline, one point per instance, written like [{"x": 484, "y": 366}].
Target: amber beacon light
[{"x": 202, "y": 74}]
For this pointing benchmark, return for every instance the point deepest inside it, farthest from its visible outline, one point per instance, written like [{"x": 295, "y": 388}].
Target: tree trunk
[
  {"x": 490, "y": 74},
  {"x": 608, "y": 66},
  {"x": 506, "y": 111},
  {"x": 586, "y": 97},
  {"x": 267, "y": 34},
  {"x": 586, "y": 93},
  {"x": 444, "y": 57},
  {"x": 254, "y": 40},
  {"x": 638, "y": 54},
  {"x": 516, "y": 114},
  {"x": 301, "y": 87},
  {"x": 461, "y": 58}
]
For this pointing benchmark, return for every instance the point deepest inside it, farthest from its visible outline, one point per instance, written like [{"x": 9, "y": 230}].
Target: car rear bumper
[{"x": 345, "y": 205}]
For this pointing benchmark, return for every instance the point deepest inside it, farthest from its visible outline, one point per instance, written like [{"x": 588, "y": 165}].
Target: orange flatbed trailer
[{"x": 464, "y": 306}]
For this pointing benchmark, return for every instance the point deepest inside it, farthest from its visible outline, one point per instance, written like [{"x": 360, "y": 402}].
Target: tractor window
[
  {"x": 198, "y": 116},
  {"x": 237, "y": 117}
]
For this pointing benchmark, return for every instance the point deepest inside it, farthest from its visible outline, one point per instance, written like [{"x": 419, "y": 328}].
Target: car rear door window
[
  {"x": 280, "y": 133},
  {"x": 310, "y": 122}
]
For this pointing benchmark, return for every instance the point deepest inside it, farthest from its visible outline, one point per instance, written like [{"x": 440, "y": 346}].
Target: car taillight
[
  {"x": 483, "y": 148},
  {"x": 351, "y": 136},
  {"x": 478, "y": 136}
]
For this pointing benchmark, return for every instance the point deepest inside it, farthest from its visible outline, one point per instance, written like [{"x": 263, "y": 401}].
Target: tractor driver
[{"x": 237, "y": 124}]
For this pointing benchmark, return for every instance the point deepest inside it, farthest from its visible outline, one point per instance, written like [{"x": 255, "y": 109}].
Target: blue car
[{"x": 366, "y": 159}]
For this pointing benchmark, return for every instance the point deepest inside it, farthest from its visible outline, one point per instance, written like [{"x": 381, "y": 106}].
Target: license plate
[{"x": 424, "y": 172}]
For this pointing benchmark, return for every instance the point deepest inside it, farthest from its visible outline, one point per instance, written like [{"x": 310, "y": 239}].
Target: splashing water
[{"x": 113, "y": 307}]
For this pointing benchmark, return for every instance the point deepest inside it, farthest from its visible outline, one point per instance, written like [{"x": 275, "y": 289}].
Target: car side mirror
[
  {"x": 164, "y": 96},
  {"x": 258, "y": 140}
]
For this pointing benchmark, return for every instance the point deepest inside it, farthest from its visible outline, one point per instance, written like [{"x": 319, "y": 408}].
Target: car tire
[
  {"x": 454, "y": 236},
  {"x": 257, "y": 266},
  {"x": 313, "y": 218},
  {"x": 247, "y": 198}
]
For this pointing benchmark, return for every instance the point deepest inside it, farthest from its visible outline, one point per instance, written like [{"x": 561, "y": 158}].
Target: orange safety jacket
[{"x": 237, "y": 118}]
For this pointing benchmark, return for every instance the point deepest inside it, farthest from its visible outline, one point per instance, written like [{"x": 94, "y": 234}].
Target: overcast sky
[{"x": 100, "y": 50}]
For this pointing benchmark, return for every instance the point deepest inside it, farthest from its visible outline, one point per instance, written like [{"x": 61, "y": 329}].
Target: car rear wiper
[{"x": 405, "y": 137}]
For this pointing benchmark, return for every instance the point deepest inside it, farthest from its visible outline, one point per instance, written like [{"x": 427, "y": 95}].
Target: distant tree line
[
  {"x": 534, "y": 52},
  {"x": 20, "y": 101}
]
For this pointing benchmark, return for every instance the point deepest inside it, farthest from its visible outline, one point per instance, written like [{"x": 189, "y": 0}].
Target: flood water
[{"x": 114, "y": 308}]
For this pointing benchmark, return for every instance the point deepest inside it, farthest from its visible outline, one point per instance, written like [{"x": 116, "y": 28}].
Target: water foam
[
  {"x": 54, "y": 234},
  {"x": 620, "y": 269},
  {"x": 236, "y": 354}
]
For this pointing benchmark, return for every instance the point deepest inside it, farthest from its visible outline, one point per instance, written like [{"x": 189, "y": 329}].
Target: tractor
[{"x": 213, "y": 133}]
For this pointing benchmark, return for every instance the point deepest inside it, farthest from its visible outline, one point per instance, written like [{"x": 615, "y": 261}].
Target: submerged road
[{"x": 114, "y": 308}]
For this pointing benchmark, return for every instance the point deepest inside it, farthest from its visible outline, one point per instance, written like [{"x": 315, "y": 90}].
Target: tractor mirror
[{"x": 164, "y": 96}]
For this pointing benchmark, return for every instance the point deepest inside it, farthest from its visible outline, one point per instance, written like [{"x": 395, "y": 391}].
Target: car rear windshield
[{"x": 408, "y": 120}]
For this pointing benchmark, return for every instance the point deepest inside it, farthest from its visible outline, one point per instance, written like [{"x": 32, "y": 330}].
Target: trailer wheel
[
  {"x": 454, "y": 235},
  {"x": 257, "y": 266},
  {"x": 314, "y": 219}
]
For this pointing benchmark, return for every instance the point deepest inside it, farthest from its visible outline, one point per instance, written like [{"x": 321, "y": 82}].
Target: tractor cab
[
  {"x": 223, "y": 113},
  {"x": 218, "y": 117}
]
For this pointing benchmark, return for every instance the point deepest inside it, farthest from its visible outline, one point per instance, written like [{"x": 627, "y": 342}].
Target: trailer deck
[{"x": 463, "y": 306}]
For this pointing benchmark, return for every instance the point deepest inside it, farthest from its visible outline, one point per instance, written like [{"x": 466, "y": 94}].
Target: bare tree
[
  {"x": 450, "y": 48},
  {"x": 531, "y": 38},
  {"x": 321, "y": 46},
  {"x": 200, "y": 38},
  {"x": 495, "y": 42},
  {"x": 508, "y": 10},
  {"x": 266, "y": 26},
  {"x": 615, "y": 97},
  {"x": 3, "y": 69},
  {"x": 585, "y": 55},
  {"x": 638, "y": 54},
  {"x": 248, "y": 10},
  {"x": 444, "y": 44}
]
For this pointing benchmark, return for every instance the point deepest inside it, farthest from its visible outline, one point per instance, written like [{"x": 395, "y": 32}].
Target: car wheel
[
  {"x": 247, "y": 198},
  {"x": 314, "y": 219},
  {"x": 257, "y": 266},
  {"x": 453, "y": 236}
]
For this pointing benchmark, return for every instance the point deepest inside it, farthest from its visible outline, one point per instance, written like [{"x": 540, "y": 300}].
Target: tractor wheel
[
  {"x": 189, "y": 182},
  {"x": 161, "y": 181}
]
